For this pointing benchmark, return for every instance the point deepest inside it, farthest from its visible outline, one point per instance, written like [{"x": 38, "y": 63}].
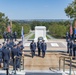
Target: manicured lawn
[{"x": 32, "y": 37}]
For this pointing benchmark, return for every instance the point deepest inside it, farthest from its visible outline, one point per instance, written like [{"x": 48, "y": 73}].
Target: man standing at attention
[
  {"x": 44, "y": 47},
  {"x": 33, "y": 48},
  {"x": 39, "y": 47}
]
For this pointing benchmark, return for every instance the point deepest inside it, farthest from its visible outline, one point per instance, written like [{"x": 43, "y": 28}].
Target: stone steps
[
  {"x": 37, "y": 72},
  {"x": 32, "y": 72}
]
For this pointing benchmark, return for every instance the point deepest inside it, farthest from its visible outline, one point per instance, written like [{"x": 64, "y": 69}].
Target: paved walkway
[
  {"x": 50, "y": 36},
  {"x": 43, "y": 65},
  {"x": 52, "y": 45},
  {"x": 56, "y": 48}
]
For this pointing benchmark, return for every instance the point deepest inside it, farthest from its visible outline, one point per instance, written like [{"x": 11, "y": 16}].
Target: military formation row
[
  {"x": 9, "y": 35},
  {"x": 71, "y": 47},
  {"x": 8, "y": 51},
  {"x": 41, "y": 45}
]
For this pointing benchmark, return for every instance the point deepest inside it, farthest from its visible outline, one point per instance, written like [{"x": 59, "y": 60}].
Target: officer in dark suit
[
  {"x": 6, "y": 57},
  {"x": 11, "y": 36},
  {"x": 3, "y": 48},
  {"x": 19, "y": 54},
  {"x": 0, "y": 54},
  {"x": 8, "y": 36},
  {"x": 4, "y": 45},
  {"x": 68, "y": 45},
  {"x": 39, "y": 47},
  {"x": 4, "y": 36},
  {"x": 15, "y": 35},
  {"x": 74, "y": 49},
  {"x": 8, "y": 43},
  {"x": 44, "y": 47},
  {"x": 19, "y": 49},
  {"x": 67, "y": 36},
  {"x": 33, "y": 48},
  {"x": 14, "y": 55},
  {"x": 11, "y": 43},
  {"x": 21, "y": 45},
  {"x": 71, "y": 48}
]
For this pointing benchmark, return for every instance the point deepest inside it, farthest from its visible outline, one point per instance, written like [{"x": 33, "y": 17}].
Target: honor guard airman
[
  {"x": 44, "y": 47},
  {"x": 15, "y": 54},
  {"x": 68, "y": 46},
  {"x": 15, "y": 35},
  {"x": 39, "y": 47},
  {"x": 6, "y": 57},
  {"x": 67, "y": 36},
  {"x": 74, "y": 49},
  {"x": 4, "y": 36},
  {"x": 33, "y": 48},
  {"x": 0, "y": 55}
]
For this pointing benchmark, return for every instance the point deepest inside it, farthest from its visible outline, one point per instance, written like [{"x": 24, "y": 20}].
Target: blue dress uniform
[
  {"x": 11, "y": 36},
  {"x": 19, "y": 50},
  {"x": 33, "y": 48},
  {"x": 39, "y": 47},
  {"x": 4, "y": 45},
  {"x": 15, "y": 35},
  {"x": 74, "y": 49},
  {"x": 11, "y": 44},
  {"x": 0, "y": 55},
  {"x": 6, "y": 57},
  {"x": 8, "y": 44},
  {"x": 44, "y": 47},
  {"x": 71, "y": 48},
  {"x": 15, "y": 53},
  {"x": 68, "y": 46},
  {"x": 67, "y": 36},
  {"x": 19, "y": 54},
  {"x": 21, "y": 45},
  {"x": 4, "y": 36}
]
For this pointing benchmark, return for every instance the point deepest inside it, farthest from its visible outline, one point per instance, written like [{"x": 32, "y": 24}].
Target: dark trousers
[
  {"x": 19, "y": 63},
  {"x": 39, "y": 51},
  {"x": 5, "y": 64},
  {"x": 68, "y": 49},
  {"x": 16, "y": 63},
  {"x": 71, "y": 52},
  {"x": 4, "y": 39},
  {"x": 74, "y": 52},
  {"x": 33, "y": 53},
  {"x": 43, "y": 53},
  {"x": 13, "y": 64},
  {"x": 11, "y": 38},
  {"x": 15, "y": 38}
]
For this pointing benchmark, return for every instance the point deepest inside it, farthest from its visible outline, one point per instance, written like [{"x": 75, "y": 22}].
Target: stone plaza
[{"x": 56, "y": 48}]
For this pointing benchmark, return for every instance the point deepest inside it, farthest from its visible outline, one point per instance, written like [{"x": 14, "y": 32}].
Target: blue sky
[{"x": 34, "y": 9}]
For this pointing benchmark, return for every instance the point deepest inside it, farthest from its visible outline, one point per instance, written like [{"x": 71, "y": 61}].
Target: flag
[
  {"x": 8, "y": 28},
  {"x": 22, "y": 34},
  {"x": 71, "y": 30}
]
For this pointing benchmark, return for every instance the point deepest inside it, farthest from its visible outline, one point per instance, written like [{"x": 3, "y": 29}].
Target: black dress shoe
[{"x": 73, "y": 58}]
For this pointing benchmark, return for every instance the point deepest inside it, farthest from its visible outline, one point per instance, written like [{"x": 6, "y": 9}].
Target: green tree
[
  {"x": 57, "y": 30},
  {"x": 71, "y": 10},
  {"x": 26, "y": 28},
  {"x": 34, "y": 23},
  {"x": 16, "y": 27},
  {"x": 3, "y": 23}
]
